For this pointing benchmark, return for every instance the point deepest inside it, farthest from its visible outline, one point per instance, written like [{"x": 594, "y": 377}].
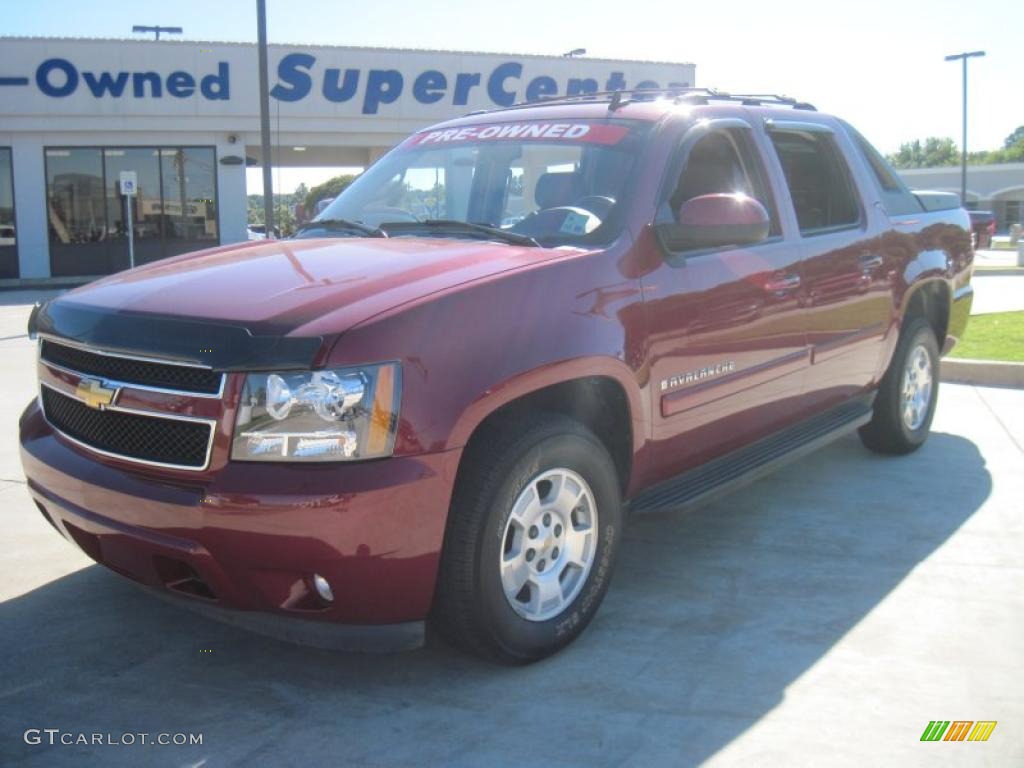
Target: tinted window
[
  {"x": 189, "y": 200},
  {"x": 818, "y": 180},
  {"x": 897, "y": 199},
  {"x": 723, "y": 162},
  {"x": 77, "y": 212},
  {"x": 145, "y": 222},
  {"x": 8, "y": 231},
  {"x": 175, "y": 209},
  {"x": 883, "y": 173}
]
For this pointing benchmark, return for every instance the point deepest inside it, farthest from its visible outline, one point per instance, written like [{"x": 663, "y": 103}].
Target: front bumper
[{"x": 252, "y": 535}]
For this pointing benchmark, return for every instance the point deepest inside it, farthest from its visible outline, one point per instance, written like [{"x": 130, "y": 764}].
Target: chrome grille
[
  {"x": 132, "y": 371},
  {"x": 148, "y": 438}
]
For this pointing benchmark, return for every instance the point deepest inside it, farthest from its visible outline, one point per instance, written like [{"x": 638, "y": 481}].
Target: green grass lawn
[{"x": 998, "y": 336}]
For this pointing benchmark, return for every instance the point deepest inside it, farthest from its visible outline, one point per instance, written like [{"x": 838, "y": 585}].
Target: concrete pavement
[
  {"x": 820, "y": 617},
  {"x": 997, "y": 293},
  {"x": 1003, "y": 259}
]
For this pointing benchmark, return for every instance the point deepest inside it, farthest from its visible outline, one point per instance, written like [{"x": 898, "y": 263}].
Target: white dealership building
[
  {"x": 997, "y": 188},
  {"x": 184, "y": 116}
]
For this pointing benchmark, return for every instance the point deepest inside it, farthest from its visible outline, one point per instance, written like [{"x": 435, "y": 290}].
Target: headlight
[{"x": 340, "y": 414}]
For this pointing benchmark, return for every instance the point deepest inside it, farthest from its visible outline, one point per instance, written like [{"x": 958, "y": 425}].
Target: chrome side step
[{"x": 744, "y": 465}]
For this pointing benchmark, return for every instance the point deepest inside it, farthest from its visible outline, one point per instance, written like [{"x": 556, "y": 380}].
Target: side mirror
[{"x": 712, "y": 221}]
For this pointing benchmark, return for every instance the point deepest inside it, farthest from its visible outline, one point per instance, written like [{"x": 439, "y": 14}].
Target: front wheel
[
  {"x": 533, "y": 531},
  {"x": 907, "y": 394}
]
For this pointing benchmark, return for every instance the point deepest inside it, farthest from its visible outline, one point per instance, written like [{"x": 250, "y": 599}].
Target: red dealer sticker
[{"x": 589, "y": 133}]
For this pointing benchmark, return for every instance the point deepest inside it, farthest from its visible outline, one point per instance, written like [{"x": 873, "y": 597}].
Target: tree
[
  {"x": 283, "y": 219},
  {"x": 330, "y": 188},
  {"x": 936, "y": 152},
  {"x": 1015, "y": 139},
  {"x": 933, "y": 153}
]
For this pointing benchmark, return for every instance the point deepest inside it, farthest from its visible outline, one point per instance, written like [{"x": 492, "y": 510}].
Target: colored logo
[
  {"x": 94, "y": 394},
  {"x": 958, "y": 730}
]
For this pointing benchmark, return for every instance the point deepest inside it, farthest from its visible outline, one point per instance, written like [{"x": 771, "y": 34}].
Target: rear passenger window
[
  {"x": 818, "y": 179},
  {"x": 896, "y": 198}
]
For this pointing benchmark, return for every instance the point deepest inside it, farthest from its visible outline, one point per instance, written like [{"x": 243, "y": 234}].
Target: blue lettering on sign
[
  {"x": 540, "y": 87},
  {"x": 106, "y": 83},
  {"x": 429, "y": 87},
  {"x": 293, "y": 71},
  {"x": 577, "y": 86},
  {"x": 297, "y": 73},
  {"x": 139, "y": 80},
  {"x": 463, "y": 82},
  {"x": 496, "y": 90},
  {"x": 59, "y": 78},
  {"x": 383, "y": 86},
  {"x": 181, "y": 84},
  {"x": 343, "y": 92},
  {"x": 217, "y": 87},
  {"x": 616, "y": 82},
  {"x": 45, "y": 83}
]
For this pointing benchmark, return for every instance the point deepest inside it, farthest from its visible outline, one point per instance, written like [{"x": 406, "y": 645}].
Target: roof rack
[{"x": 680, "y": 95}]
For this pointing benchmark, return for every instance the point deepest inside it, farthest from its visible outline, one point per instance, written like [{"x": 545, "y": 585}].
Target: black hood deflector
[{"x": 219, "y": 345}]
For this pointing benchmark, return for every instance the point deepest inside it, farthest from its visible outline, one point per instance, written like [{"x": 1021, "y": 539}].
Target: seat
[{"x": 558, "y": 189}]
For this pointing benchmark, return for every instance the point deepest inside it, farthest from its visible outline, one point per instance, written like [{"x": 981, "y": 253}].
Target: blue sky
[{"x": 877, "y": 63}]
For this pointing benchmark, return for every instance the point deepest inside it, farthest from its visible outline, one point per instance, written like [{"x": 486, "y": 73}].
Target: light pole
[
  {"x": 963, "y": 148},
  {"x": 157, "y": 30},
  {"x": 268, "y": 179}
]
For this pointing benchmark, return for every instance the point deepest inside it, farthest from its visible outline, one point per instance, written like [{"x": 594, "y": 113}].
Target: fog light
[{"x": 323, "y": 588}]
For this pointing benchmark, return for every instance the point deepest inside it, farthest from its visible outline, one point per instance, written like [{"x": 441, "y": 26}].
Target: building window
[
  {"x": 189, "y": 184},
  {"x": 8, "y": 233},
  {"x": 173, "y": 211},
  {"x": 1013, "y": 213}
]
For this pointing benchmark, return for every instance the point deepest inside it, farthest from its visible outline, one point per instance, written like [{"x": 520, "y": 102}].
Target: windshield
[{"x": 537, "y": 182}]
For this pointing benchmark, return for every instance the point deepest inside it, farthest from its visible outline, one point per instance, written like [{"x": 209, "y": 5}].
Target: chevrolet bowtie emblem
[{"x": 94, "y": 394}]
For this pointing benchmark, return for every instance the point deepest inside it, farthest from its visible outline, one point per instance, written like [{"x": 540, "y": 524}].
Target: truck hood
[{"x": 269, "y": 290}]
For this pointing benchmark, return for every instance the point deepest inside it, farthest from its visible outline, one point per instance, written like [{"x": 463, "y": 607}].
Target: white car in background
[
  {"x": 259, "y": 232},
  {"x": 7, "y": 234}
]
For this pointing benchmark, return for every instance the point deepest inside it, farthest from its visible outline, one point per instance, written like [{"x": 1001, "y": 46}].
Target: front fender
[{"x": 527, "y": 382}]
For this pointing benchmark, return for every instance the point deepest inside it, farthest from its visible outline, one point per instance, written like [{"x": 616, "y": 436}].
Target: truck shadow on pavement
[{"x": 711, "y": 615}]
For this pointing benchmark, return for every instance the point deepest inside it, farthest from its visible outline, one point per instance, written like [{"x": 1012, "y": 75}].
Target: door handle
[
  {"x": 782, "y": 284},
  {"x": 871, "y": 261}
]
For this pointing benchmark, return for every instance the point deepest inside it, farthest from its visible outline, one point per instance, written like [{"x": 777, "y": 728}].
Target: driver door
[{"x": 727, "y": 347}]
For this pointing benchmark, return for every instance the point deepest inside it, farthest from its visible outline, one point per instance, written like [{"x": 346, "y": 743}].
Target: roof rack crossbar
[{"x": 618, "y": 98}]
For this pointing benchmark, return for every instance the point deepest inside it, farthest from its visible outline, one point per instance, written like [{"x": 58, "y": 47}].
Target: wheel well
[
  {"x": 931, "y": 301},
  {"x": 597, "y": 402}
]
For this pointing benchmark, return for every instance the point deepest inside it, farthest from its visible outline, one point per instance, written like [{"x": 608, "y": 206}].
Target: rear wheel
[
  {"x": 532, "y": 536},
  {"x": 907, "y": 394}
]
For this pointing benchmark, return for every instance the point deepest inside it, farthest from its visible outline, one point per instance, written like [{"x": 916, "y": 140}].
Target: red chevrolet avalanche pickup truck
[{"x": 441, "y": 398}]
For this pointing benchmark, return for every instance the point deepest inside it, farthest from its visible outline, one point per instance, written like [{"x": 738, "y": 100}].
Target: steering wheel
[
  {"x": 562, "y": 219},
  {"x": 376, "y": 216},
  {"x": 599, "y": 205}
]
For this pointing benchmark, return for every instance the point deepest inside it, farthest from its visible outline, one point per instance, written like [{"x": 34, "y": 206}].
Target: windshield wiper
[
  {"x": 468, "y": 227},
  {"x": 342, "y": 225}
]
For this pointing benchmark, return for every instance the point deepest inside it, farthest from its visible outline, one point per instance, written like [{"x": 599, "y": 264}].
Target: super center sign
[{"x": 91, "y": 76}]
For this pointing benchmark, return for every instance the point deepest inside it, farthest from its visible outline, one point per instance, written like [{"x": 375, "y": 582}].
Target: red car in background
[{"x": 983, "y": 225}]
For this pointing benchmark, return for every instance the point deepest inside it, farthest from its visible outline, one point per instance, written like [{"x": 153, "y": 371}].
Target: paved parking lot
[
  {"x": 822, "y": 616},
  {"x": 997, "y": 293}
]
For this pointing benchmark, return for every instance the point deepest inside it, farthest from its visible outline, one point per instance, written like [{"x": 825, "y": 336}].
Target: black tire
[
  {"x": 888, "y": 432},
  {"x": 471, "y": 608}
]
